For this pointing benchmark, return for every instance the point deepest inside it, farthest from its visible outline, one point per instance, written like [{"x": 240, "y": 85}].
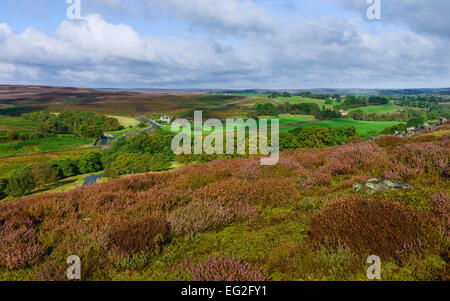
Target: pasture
[
  {"x": 7, "y": 165},
  {"x": 383, "y": 109},
  {"x": 47, "y": 144},
  {"x": 255, "y": 99},
  {"x": 10, "y": 123},
  {"x": 362, "y": 127},
  {"x": 126, "y": 122}
]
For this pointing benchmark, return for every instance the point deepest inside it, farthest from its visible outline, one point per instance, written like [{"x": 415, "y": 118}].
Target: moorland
[{"x": 158, "y": 216}]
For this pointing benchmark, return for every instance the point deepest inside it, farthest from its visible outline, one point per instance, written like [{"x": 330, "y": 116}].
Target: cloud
[
  {"x": 421, "y": 16},
  {"x": 300, "y": 52}
]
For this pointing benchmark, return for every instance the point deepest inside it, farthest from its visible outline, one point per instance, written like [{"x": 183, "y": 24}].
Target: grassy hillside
[
  {"x": 362, "y": 127},
  {"x": 389, "y": 108},
  {"x": 47, "y": 144},
  {"x": 7, "y": 165},
  {"x": 255, "y": 99},
  {"x": 10, "y": 123},
  {"x": 298, "y": 220}
]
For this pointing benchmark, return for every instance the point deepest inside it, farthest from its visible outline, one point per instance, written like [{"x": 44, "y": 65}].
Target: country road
[
  {"x": 92, "y": 179},
  {"x": 153, "y": 126}
]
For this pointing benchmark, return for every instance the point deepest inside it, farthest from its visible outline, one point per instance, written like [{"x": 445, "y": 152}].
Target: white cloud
[{"x": 304, "y": 52}]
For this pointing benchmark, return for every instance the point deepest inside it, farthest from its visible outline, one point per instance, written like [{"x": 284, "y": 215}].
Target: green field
[
  {"x": 16, "y": 123},
  {"x": 255, "y": 99},
  {"x": 362, "y": 127},
  {"x": 48, "y": 144},
  {"x": 390, "y": 108},
  {"x": 7, "y": 165},
  {"x": 292, "y": 119}
]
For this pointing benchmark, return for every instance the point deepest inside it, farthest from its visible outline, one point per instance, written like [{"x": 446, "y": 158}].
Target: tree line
[{"x": 85, "y": 124}]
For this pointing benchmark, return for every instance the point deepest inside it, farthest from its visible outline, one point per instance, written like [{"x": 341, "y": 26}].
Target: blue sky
[{"x": 225, "y": 44}]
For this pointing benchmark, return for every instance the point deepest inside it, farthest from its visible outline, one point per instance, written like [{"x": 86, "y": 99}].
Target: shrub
[
  {"x": 3, "y": 186},
  {"x": 65, "y": 168},
  {"x": 203, "y": 216},
  {"x": 415, "y": 122},
  {"x": 290, "y": 262},
  {"x": 90, "y": 162},
  {"x": 268, "y": 192},
  {"x": 314, "y": 137},
  {"x": 384, "y": 228},
  {"x": 142, "y": 235},
  {"x": 425, "y": 157},
  {"x": 19, "y": 245},
  {"x": 43, "y": 174},
  {"x": 137, "y": 163},
  {"x": 441, "y": 206},
  {"x": 20, "y": 183},
  {"x": 222, "y": 268}
]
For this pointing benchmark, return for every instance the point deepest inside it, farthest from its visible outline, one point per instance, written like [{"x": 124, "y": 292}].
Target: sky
[{"x": 226, "y": 44}]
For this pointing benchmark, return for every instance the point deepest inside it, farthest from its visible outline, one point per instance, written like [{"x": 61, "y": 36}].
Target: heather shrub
[
  {"x": 384, "y": 228},
  {"x": 425, "y": 157},
  {"x": 142, "y": 235},
  {"x": 19, "y": 245},
  {"x": 267, "y": 192},
  {"x": 359, "y": 157},
  {"x": 390, "y": 142},
  {"x": 440, "y": 201},
  {"x": 221, "y": 268},
  {"x": 93, "y": 256},
  {"x": 203, "y": 216},
  {"x": 289, "y": 262}
]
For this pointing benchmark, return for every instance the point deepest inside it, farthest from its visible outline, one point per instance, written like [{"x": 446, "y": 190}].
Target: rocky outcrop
[{"x": 374, "y": 185}]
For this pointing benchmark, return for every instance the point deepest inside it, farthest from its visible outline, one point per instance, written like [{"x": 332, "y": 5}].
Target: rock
[
  {"x": 374, "y": 185},
  {"x": 426, "y": 126}
]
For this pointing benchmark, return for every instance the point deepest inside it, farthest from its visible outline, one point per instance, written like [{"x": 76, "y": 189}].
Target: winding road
[{"x": 92, "y": 179}]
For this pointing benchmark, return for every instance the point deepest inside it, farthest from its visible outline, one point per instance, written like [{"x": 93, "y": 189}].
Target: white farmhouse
[
  {"x": 165, "y": 118},
  {"x": 343, "y": 113}
]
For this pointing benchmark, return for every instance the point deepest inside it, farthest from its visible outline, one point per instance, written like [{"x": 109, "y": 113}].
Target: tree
[
  {"x": 43, "y": 174},
  {"x": 137, "y": 163},
  {"x": 416, "y": 121},
  {"x": 286, "y": 94},
  {"x": 65, "y": 168},
  {"x": 91, "y": 162},
  {"x": 110, "y": 124},
  {"x": 11, "y": 136},
  {"x": 50, "y": 126},
  {"x": 20, "y": 182},
  {"x": 288, "y": 141},
  {"x": 314, "y": 137},
  {"x": 3, "y": 186},
  {"x": 328, "y": 114},
  {"x": 266, "y": 109}
]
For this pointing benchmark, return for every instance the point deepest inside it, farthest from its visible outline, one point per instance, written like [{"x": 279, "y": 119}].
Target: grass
[
  {"x": 389, "y": 108},
  {"x": 362, "y": 127},
  {"x": 126, "y": 122},
  {"x": 255, "y": 99},
  {"x": 7, "y": 165},
  {"x": 48, "y": 144},
  {"x": 63, "y": 185},
  {"x": 286, "y": 122},
  {"x": 17, "y": 123}
]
